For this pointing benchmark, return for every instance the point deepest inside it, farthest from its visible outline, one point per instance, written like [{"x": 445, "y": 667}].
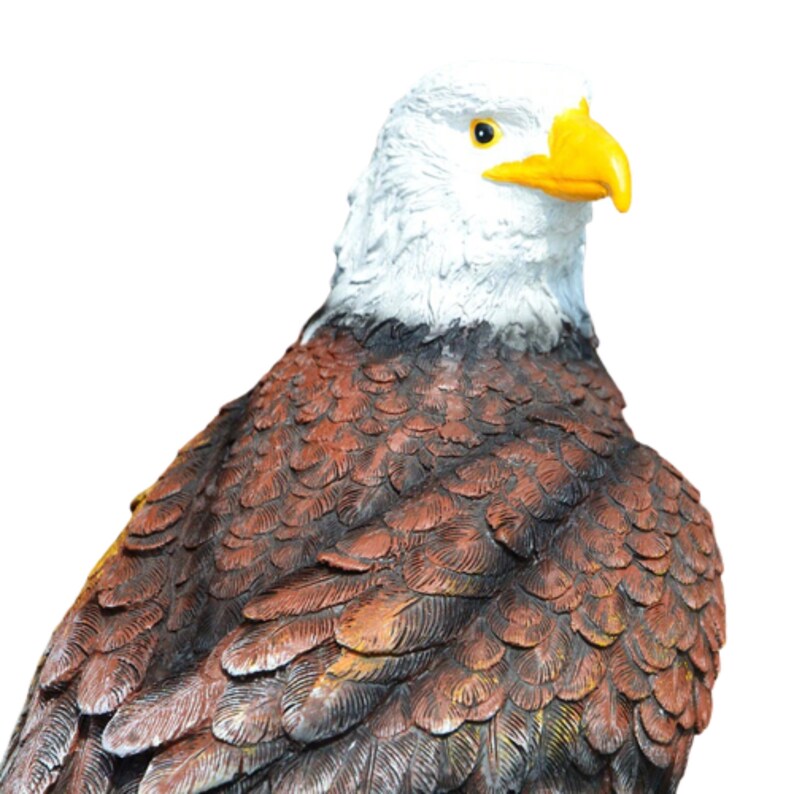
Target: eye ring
[{"x": 484, "y": 132}]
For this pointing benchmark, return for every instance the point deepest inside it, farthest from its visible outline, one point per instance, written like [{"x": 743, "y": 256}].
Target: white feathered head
[{"x": 474, "y": 205}]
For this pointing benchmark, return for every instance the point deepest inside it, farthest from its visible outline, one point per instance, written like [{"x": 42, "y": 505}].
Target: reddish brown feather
[
  {"x": 361, "y": 549},
  {"x": 519, "y": 620},
  {"x": 163, "y": 714},
  {"x": 509, "y": 525},
  {"x": 583, "y": 625},
  {"x": 339, "y": 509},
  {"x": 673, "y": 687},
  {"x": 156, "y": 517},
  {"x": 248, "y": 712},
  {"x": 628, "y": 677},
  {"x": 71, "y": 644},
  {"x": 478, "y": 648},
  {"x": 422, "y": 513},
  {"x": 544, "y": 662},
  {"x": 606, "y": 719},
  {"x": 123, "y": 627},
  {"x": 546, "y": 579},
  {"x": 201, "y": 763},
  {"x": 108, "y": 678},
  {"x": 272, "y": 645},
  {"x": 255, "y": 522},
  {"x": 423, "y": 575},
  {"x": 33, "y": 766},
  {"x": 660, "y": 726},
  {"x": 659, "y": 754},
  {"x": 130, "y": 579},
  {"x": 479, "y": 478},
  {"x": 309, "y": 591},
  {"x": 90, "y": 770},
  {"x": 643, "y": 586},
  {"x": 392, "y": 619},
  {"x": 583, "y": 674}
]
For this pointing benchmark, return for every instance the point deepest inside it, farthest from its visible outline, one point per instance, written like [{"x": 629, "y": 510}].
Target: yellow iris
[{"x": 484, "y": 133}]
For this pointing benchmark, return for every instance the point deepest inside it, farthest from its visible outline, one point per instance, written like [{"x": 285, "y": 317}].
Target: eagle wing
[{"x": 392, "y": 568}]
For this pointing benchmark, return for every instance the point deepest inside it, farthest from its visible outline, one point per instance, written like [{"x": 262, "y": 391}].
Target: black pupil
[{"x": 483, "y": 132}]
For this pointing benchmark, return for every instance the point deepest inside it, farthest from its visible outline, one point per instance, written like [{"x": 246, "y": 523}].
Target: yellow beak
[{"x": 584, "y": 163}]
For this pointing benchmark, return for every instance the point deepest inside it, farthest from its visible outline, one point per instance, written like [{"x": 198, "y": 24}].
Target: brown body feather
[{"x": 394, "y": 565}]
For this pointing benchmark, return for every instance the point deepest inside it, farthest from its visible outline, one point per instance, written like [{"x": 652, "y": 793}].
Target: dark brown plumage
[{"x": 397, "y": 564}]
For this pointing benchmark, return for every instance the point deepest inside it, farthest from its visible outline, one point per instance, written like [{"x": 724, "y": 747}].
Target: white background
[{"x": 173, "y": 177}]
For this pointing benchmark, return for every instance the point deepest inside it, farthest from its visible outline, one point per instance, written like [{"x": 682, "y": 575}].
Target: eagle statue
[{"x": 425, "y": 552}]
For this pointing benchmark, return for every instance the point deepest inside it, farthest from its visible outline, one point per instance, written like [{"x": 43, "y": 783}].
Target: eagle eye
[{"x": 484, "y": 133}]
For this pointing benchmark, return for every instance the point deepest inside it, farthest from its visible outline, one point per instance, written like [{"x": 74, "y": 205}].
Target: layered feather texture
[{"x": 397, "y": 564}]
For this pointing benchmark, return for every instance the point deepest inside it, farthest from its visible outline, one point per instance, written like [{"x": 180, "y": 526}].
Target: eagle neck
[
  {"x": 428, "y": 252},
  {"x": 527, "y": 288}
]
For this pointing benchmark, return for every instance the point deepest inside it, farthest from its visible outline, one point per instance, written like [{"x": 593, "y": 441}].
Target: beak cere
[{"x": 584, "y": 163}]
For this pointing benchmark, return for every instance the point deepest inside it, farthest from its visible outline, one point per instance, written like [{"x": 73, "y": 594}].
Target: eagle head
[{"x": 474, "y": 205}]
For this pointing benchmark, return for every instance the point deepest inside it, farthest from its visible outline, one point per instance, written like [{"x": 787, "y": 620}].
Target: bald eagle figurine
[{"x": 425, "y": 552}]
